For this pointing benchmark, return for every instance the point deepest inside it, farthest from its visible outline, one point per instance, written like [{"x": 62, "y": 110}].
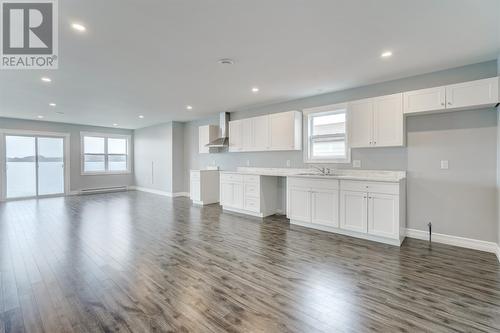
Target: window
[
  {"x": 102, "y": 153},
  {"x": 326, "y": 135}
]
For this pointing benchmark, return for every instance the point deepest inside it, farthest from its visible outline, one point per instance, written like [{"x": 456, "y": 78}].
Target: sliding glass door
[{"x": 34, "y": 166}]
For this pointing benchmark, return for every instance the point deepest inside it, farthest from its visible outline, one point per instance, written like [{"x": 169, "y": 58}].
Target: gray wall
[
  {"x": 460, "y": 201},
  {"x": 159, "y": 155},
  {"x": 77, "y": 181},
  {"x": 153, "y": 157}
]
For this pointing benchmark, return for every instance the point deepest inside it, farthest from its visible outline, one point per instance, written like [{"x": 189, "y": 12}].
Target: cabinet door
[
  {"x": 247, "y": 134},
  {"x": 282, "y": 131},
  {"x": 203, "y": 138},
  {"x": 424, "y": 100},
  {"x": 360, "y": 120},
  {"x": 299, "y": 201},
  {"x": 383, "y": 215},
  {"x": 238, "y": 195},
  {"x": 226, "y": 194},
  {"x": 388, "y": 121},
  {"x": 235, "y": 135},
  {"x": 353, "y": 211},
  {"x": 325, "y": 207},
  {"x": 194, "y": 190},
  {"x": 479, "y": 92},
  {"x": 261, "y": 133}
]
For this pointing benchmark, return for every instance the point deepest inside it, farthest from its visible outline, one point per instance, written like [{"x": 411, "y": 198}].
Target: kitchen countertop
[{"x": 341, "y": 174}]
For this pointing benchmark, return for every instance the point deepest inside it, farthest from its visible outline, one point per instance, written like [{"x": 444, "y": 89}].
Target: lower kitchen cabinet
[
  {"x": 248, "y": 194},
  {"x": 204, "y": 186},
  {"x": 370, "y": 210}
]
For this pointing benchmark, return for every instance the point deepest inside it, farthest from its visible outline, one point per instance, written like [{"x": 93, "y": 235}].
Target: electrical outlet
[
  {"x": 444, "y": 164},
  {"x": 288, "y": 163},
  {"x": 356, "y": 163}
]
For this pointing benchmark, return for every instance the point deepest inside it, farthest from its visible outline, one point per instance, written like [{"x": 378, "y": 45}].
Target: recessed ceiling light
[
  {"x": 189, "y": 107},
  {"x": 115, "y": 125},
  {"x": 141, "y": 116},
  {"x": 39, "y": 116},
  {"x": 78, "y": 27},
  {"x": 255, "y": 90},
  {"x": 225, "y": 61},
  {"x": 386, "y": 54},
  {"x": 52, "y": 104},
  {"x": 46, "y": 79}
]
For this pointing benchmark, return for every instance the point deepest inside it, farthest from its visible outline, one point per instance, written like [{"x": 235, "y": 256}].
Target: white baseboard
[
  {"x": 469, "y": 243},
  {"x": 498, "y": 252},
  {"x": 159, "y": 192}
]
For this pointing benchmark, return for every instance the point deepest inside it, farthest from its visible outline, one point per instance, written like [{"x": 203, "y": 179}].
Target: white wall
[
  {"x": 77, "y": 181},
  {"x": 460, "y": 201}
]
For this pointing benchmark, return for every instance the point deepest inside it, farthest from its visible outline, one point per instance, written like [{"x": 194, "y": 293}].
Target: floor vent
[{"x": 103, "y": 190}]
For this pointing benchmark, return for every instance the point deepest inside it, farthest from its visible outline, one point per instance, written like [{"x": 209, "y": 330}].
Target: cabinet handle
[
  {"x": 442, "y": 103},
  {"x": 449, "y": 103}
]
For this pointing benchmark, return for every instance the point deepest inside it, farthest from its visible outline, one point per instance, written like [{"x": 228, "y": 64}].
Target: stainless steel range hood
[{"x": 223, "y": 139}]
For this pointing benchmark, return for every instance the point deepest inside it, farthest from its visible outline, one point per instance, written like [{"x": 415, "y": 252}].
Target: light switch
[
  {"x": 356, "y": 163},
  {"x": 288, "y": 163},
  {"x": 444, "y": 164}
]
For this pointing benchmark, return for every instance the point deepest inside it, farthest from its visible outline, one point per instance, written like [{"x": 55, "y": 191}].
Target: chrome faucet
[{"x": 323, "y": 170}]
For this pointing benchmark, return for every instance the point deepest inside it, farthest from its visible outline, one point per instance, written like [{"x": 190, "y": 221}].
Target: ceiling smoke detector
[{"x": 226, "y": 61}]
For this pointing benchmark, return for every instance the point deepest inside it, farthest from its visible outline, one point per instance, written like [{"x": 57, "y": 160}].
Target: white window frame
[
  {"x": 106, "y": 136},
  {"x": 324, "y": 110}
]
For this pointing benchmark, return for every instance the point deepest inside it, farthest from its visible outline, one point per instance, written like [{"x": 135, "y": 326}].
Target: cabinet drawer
[
  {"x": 252, "y": 204},
  {"x": 231, "y": 177},
  {"x": 331, "y": 184},
  {"x": 252, "y": 190},
  {"x": 373, "y": 187},
  {"x": 195, "y": 175},
  {"x": 251, "y": 179}
]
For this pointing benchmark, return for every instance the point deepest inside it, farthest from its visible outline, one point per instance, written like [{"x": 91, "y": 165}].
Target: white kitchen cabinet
[
  {"x": 388, "y": 121},
  {"x": 472, "y": 94},
  {"x": 424, "y": 100},
  {"x": 383, "y": 215},
  {"x": 206, "y": 134},
  {"x": 235, "y": 135},
  {"x": 313, "y": 201},
  {"x": 364, "y": 209},
  {"x": 360, "y": 120},
  {"x": 248, "y": 194},
  {"x": 279, "y": 131},
  {"x": 454, "y": 97},
  {"x": 204, "y": 186},
  {"x": 260, "y": 133},
  {"x": 324, "y": 207},
  {"x": 353, "y": 211},
  {"x": 285, "y": 131},
  {"x": 376, "y": 122},
  {"x": 299, "y": 204}
]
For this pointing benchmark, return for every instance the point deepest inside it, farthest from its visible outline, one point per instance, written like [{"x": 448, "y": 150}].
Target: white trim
[
  {"x": 498, "y": 252},
  {"x": 242, "y": 211},
  {"x": 332, "y": 108},
  {"x": 106, "y": 136},
  {"x": 469, "y": 243},
  {"x": 159, "y": 192},
  {"x": 390, "y": 241}
]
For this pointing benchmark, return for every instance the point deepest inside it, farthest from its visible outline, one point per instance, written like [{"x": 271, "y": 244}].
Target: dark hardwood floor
[{"x": 138, "y": 262}]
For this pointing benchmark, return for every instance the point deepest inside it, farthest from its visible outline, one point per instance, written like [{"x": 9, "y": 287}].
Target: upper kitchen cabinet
[
  {"x": 278, "y": 131},
  {"x": 235, "y": 135},
  {"x": 376, "y": 122},
  {"x": 454, "y": 97},
  {"x": 206, "y": 134},
  {"x": 285, "y": 131}
]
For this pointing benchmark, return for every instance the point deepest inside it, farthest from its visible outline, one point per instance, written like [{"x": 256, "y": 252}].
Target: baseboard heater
[{"x": 103, "y": 190}]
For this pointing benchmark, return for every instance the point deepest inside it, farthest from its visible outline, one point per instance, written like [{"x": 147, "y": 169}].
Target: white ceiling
[{"x": 154, "y": 57}]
